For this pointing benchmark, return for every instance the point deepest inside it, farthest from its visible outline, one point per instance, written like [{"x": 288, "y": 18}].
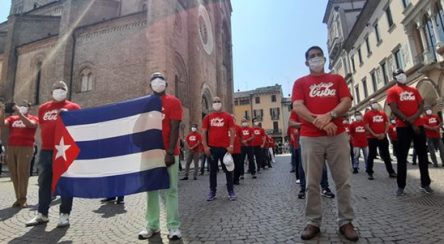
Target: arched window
[{"x": 86, "y": 78}]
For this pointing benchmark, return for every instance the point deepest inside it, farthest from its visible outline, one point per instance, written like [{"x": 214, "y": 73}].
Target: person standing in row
[
  {"x": 377, "y": 126},
  {"x": 321, "y": 99},
  {"x": 238, "y": 163},
  {"x": 407, "y": 105},
  {"x": 48, "y": 114},
  {"x": 247, "y": 149},
  {"x": 432, "y": 125},
  {"x": 258, "y": 144},
  {"x": 195, "y": 148},
  {"x": 393, "y": 137},
  {"x": 359, "y": 141},
  {"x": 218, "y": 138},
  {"x": 22, "y": 128}
]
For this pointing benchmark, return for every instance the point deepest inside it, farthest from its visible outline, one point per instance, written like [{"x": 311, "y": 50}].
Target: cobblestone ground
[{"x": 267, "y": 211}]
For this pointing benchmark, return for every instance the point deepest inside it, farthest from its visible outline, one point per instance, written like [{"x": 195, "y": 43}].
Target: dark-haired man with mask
[
  {"x": 407, "y": 105},
  {"x": 172, "y": 116},
  {"x": 22, "y": 127},
  {"x": 432, "y": 125},
  {"x": 48, "y": 114}
]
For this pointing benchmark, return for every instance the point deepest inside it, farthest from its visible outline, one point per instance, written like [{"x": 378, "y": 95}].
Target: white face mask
[
  {"x": 316, "y": 64},
  {"x": 345, "y": 122},
  {"x": 59, "y": 94},
  {"x": 194, "y": 129},
  {"x": 358, "y": 117},
  {"x": 393, "y": 121},
  {"x": 375, "y": 106},
  {"x": 158, "y": 85},
  {"x": 401, "y": 78},
  {"x": 23, "y": 110},
  {"x": 429, "y": 112},
  {"x": 245, "y": 124},
  {"x": 256, "y": 123},
  {"x": 217, "y": 106}
]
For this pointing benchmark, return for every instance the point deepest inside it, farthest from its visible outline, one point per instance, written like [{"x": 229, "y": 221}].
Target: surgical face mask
[
  {"x": 59, "y": 94},
  {"x": 345, "y": 122},
  {"x": 429, "y": 112},
  {"x": 244, "y": 124},
  {"x": 23, "y": 110},
  {"x": 193, "y": 129},
  {"x": 256, "y": 123},
  {"x": 358, "y": 117},
  {"x": 393, "y": 121},
  {"x": 375, "y": 106},
  {"x": 158, "y": 85},
  {"x": 401, "y": 78},
  {"x": 217, "y": 106},
  {"x": 316, "y": 64}
]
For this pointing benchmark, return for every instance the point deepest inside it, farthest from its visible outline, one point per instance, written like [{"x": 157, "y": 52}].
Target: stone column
[{"x": 426, "y": 53}]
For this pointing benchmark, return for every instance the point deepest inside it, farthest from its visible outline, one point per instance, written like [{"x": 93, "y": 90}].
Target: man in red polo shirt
[
  {"x": 195, "y": 148},
  {"x": 432, "y": 125},
  {"x": 407, "y": 105},
  {"x": 247, "y": 149},
  {"x": 258, "y": 144},
  {"x": 22, "y": 128},
  {"x": 48, "y": 113},
  {"x": 321, "y": 99},
  {"x": 218, "y": 138},
  {"x": 377, "y": 126},
  {"x": 358, "y": 136}
]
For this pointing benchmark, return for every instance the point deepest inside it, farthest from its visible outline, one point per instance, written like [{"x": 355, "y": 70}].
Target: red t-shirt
[
  {"x": 218, "y": 125},
  {"x": 392, "y": 132},
  {"x": 407, "y": 99},
  {"x": 48, "y": 113},
  {"x": 376, "y": 120},
  {"x": 19, "y": 134},
  {"x": 195, "y": 138},
  {"x": 358, "y": 134},
  {"x": 171, "y": 110},
  {"x": 259, "y": 135},
  {"x": 432, "y": 120},
  {"x": 270, "y": 142},
  {"x": 290, "y": 136},
  {"x": 247, "y": 132},
  {"x": 294, "y": 137},
  {"x": 320, "y": 95},
  {"x": 237, "y": 139}
]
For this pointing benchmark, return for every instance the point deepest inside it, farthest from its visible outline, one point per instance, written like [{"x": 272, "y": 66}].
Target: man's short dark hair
[{"x": 313, "y": 48}]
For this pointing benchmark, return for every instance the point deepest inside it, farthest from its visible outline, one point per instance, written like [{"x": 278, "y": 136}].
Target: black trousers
[
  {"x": 259, "y": 155},
  {"x": 217, "y": 154},
  {"x": 405, "y": 137},
  {"x": 395, "y": 148},
  {"x": 248, "y": 151},
  {"x": 383, "y": 147},
  {"x": 238, "y": 167}
]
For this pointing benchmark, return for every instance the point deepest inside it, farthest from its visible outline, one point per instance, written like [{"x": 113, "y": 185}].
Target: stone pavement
[{"x": 267, "y": 211}]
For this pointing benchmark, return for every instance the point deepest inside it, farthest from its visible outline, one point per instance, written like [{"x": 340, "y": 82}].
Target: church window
[{"x": 86, "y": 80}]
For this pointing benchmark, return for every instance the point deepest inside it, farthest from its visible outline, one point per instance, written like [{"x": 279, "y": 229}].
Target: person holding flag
[{"x": 47, "y": 115}]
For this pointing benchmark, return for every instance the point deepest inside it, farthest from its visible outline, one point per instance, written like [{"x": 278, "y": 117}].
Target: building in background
[
  {"x": 106, "y": 50},
  {"x": 386, "y": 35},
  {"x": 265, "y": 104}
]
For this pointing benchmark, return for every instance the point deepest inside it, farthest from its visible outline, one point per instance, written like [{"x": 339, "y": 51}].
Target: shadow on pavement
[
  {"x": 35, "y": 233},
  {"x": 157, "y": 239},
  {"x": 110, "y": 210},
  {"x": 8, "y": 213}
]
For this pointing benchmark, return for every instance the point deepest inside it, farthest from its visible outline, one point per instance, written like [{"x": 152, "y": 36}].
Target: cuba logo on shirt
[
  {"x": 217, "y": 122},
  {"x": 51, "y": 115},
  {"x": 245, "y": 133},
  {"x": 18, "y": 124},
  {"x": 407, "y": 96},
  {"x": 432, "y": 121},
  {"x": 378, "y": 119},
  {"x": 192, "y": 138},
  {"x": 257, "y": 132},
  {"x": 323, "y": 89},
  {"x": 360, "y": 129}
]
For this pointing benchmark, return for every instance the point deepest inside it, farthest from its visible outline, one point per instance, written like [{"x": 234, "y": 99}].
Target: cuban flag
[{"x": 112, "y": 150}]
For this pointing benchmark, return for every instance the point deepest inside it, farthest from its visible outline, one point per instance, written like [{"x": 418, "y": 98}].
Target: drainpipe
[{"x": 73, "y": 53}]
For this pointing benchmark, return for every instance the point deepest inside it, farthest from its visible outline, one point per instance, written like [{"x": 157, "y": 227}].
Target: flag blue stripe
[
  {"x": 112, "y": 186},
  {"x": 121, "y": 145},
  {"x": 112, "y": 111}
]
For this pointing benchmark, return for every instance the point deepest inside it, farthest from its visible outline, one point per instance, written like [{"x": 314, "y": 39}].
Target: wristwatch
[{"x": 333, "y": 114}]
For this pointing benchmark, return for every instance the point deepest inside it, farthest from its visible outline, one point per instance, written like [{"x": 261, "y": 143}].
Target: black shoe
[
  {"x": 301, "y": 195},
  {"x": 241, "y": 177},
  {"x": 236, "y": 183},
  {"x": 292, "y": 171},
  {"x": 184, "y": 178},
  {"x": 327, "y": 193},
  {"x": 201, "y": 174},
  {"x": 435, "y": 165},
  {"x": 194, "y": 178},
  {"x": 110, "y": 199},
  {"x": 120, "y": 201},
  {"x": 355, "y": 171},
  {"x": 393, "y": 175},
  {"x": 254, "y": 177},
  {"x": 370, "y": 177}
]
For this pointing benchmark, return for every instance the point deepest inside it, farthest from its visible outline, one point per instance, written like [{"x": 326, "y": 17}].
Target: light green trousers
[{"x": 170, "y": 198}]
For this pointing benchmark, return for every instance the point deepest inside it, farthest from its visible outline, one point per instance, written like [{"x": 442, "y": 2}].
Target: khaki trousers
[
  {"x": 18, "y": 160},
  {"x": 335, "y": 150}
]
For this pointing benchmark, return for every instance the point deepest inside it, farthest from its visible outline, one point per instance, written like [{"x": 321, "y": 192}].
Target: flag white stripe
[
  {"x": 120, "y": 165},
  {"x": 118, "y": 127}
]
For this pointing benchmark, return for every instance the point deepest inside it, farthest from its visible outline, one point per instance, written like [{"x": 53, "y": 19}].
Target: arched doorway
[
  {"x": 206, "y": 100},
  {"x": 429, "y": 93}
]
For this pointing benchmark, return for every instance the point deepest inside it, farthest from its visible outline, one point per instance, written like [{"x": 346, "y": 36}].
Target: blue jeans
[
  {"x": 45, "y": 181},
  {"x": 324, "y": 181}
]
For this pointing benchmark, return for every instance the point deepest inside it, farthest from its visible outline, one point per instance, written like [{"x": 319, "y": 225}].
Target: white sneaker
[
  {"x": 174, "y": 235},
  {"x": 298, "y": 181},
  {"x": 63, "y": 220},
  {"x": 37, "y": 220},
  {"x": 147, "y": 233}
]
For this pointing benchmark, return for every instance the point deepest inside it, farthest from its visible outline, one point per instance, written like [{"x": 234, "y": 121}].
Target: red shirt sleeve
[
  {"x": 8, "y": 120},
  {"x": 298, "y": 91},
  {"x": 230, "y": 121},
  {"x": 294, "y": 116},
  {"x": 367, "y": 118},
  {"x": 418, "y": 96},
  {"x": 176, "y": 110},
  {"x": 343, "y": 88},
  {"x": 205, "y": 122},
  {"x": 391, "y": 96}
]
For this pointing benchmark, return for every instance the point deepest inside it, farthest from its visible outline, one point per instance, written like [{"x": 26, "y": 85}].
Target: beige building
[
  {"x": 265, "y": 104},
  {"x": 386, "y": 35},
  {"x": 106, "y": 49}
]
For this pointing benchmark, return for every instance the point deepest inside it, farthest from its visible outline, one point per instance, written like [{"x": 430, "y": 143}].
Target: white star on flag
[{"x": 61, "y": 149}]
